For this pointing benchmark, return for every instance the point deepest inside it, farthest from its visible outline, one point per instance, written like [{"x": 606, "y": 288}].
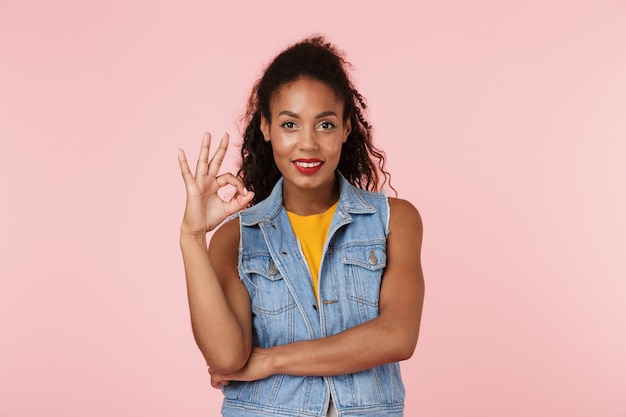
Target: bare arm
[
  {"x": 219, "y": 316},
  {"x": 390, "y": 337}
]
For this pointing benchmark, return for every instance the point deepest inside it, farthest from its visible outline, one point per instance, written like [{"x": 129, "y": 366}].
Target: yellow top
[{"x": 312, "y": 232}]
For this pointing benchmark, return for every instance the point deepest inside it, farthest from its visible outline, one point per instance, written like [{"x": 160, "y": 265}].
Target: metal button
[
  {"x": 272, "y": 270},
  {"x": 372, "y": 260}
]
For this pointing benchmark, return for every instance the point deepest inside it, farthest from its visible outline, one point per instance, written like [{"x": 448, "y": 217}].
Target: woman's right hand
[{"x": 205, "y": 209}]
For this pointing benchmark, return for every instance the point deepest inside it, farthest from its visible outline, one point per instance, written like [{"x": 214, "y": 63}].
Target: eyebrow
[{"x": 319, "y": 116}]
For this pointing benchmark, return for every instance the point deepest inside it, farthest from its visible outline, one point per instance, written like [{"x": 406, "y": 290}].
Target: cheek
[
  {"x": 280, "y": 150},
  {"x": 336, "y": 147}
]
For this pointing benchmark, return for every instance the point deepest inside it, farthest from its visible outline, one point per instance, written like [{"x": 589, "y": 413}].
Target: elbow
[
  {"x": 404, "y": 350},
  {"x": 225, "y": 361},
  {"x": 227, "y": 366},
  {"x": 406, "y": 341}
]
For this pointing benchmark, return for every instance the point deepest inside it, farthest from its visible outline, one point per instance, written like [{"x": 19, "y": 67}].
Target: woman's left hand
[{"x": 258, "y": 367}]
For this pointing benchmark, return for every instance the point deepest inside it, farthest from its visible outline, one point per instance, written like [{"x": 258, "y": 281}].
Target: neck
[{"x": 304, "y": 202}]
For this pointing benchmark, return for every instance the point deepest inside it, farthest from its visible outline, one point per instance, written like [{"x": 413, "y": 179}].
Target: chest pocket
[
  {"x": 273, "y": 306},
  {"x": 363, "y": 267},
  {"x": 269, "y": 294}
]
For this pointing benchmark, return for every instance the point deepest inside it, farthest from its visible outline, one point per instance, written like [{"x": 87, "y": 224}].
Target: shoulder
[
  {"x": 403, "y": 216},
  {"x": 224, "y": 244},
  {"x": 402, "y": 207},
  {"x": 227, "y": 232}
]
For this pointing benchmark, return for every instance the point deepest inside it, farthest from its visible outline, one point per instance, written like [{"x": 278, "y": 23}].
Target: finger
[
  {"x": 218, "y": 156},
  {"x": 203, "y": 158},
  {"x": 241, "y": 198},
  {"x": 228, "y": 178},
  {"x": 184, "y": 167},
  {"x": 217, "y": 380},
  {"x": 237, "y": 203}
]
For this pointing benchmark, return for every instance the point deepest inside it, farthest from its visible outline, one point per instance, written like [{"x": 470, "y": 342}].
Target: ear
[
  {"x": 265, "y": 129},
  {"x": 347, "y": 128}
]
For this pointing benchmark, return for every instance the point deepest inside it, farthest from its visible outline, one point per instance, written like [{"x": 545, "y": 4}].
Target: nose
[{"x": 308, "y": 139}]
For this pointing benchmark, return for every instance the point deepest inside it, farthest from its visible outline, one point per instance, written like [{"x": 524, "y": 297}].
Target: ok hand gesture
[{"x": 205, "y": 209}]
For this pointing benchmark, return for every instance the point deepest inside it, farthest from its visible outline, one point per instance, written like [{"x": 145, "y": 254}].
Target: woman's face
[{"x": 307, "y": 132}]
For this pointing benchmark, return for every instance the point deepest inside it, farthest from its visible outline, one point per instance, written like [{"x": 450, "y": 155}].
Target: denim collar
[{"x": 350, "y": 201}]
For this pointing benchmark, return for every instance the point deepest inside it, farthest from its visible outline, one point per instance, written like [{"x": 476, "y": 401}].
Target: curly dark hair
[{"x": 361, "y": 163}]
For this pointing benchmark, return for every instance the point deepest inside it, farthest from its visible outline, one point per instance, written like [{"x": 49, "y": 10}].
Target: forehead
[{"x": 306, "y": 94}]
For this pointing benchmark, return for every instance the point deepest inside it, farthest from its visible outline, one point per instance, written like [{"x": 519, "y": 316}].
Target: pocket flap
[
  {"x": 261, "y": 265},
  {"x": 372, "y": 257}
]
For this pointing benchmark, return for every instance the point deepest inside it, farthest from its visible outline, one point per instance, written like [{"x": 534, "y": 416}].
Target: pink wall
[{"x": 504, "y": 123}]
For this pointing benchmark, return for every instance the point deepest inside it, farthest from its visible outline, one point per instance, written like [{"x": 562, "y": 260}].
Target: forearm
[
  {"x": 217, "y": 331},
  {"x": 371, "y": 344}
]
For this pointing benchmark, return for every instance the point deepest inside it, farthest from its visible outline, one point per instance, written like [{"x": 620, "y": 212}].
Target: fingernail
[{"x": 245, "y": 191}]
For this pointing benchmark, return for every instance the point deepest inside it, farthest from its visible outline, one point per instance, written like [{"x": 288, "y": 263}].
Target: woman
[{"x": 307, "y": 299}]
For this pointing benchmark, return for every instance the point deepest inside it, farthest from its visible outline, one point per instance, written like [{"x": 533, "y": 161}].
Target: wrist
[
  {"x": 273, "y": 362},
  {"x": 188, "y": 236}
]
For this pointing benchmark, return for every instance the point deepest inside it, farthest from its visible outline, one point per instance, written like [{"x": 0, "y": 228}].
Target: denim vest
[{"x": 284, "y": 309}]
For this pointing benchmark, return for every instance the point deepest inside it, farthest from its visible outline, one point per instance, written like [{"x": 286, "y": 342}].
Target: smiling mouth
[{"x": 308, "y": 164}]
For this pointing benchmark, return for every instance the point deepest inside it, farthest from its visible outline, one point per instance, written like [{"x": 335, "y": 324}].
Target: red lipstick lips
[{"x": 307, "y": 166}]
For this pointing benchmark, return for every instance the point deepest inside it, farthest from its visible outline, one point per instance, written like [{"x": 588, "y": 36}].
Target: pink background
[{"x": 504, "y": 123}]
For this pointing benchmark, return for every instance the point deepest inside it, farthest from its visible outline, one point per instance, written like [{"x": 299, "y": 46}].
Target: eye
[
  {"x": 326, "y": 125},
  {"x": 288, "y": 125}
]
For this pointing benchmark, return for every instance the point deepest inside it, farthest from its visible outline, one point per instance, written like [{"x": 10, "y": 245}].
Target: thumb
[
  {"x": 244, "y": 199},
  {"x": 239, "y": 202}
]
